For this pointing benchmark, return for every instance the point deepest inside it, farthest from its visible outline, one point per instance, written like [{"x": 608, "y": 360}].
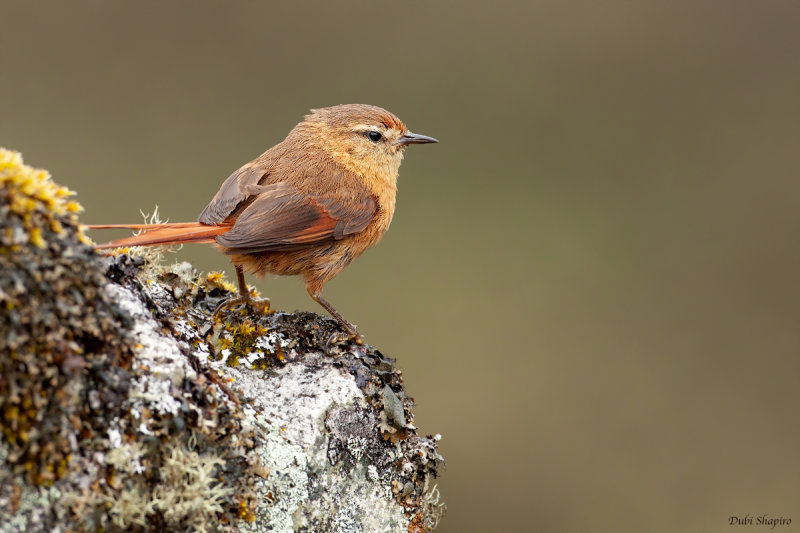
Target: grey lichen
[{"x": 128, "y": 404}]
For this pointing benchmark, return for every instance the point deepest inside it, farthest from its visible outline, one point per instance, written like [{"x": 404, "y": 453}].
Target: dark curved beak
[{"x": 414, "y": 138}]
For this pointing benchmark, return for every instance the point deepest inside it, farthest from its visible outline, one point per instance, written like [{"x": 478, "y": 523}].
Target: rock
[{"x": 127, "y": 404}]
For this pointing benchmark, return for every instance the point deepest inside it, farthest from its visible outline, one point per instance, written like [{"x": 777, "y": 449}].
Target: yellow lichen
[
  {"x": 36, "y": 237},
  {"x": 217, "y": 279},
  {"x": 36, "y": 184},
  {"x": 245, "y": 513},
  {"x": 33, "y": 190}
]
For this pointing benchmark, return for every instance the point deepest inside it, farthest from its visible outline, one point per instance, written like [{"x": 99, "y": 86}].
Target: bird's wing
[
  {"x": 284, "y": 218},
  {"x": 236, "y": 189}
]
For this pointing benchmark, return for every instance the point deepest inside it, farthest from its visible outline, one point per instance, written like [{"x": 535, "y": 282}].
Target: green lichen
[{"x": 189, "y": 495}]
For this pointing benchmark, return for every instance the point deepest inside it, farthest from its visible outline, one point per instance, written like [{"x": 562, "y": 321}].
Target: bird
[{"x": 307, "y": 206}]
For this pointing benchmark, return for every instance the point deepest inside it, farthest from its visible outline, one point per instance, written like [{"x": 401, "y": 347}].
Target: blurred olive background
[{"x": 591, "y": 283}]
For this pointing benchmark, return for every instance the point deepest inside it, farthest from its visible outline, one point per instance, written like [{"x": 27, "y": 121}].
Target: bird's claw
[{"x": 259, "y": 304}]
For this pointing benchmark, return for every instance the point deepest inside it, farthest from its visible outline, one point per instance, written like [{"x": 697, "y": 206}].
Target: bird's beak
[{"x": 414, "y": 138}]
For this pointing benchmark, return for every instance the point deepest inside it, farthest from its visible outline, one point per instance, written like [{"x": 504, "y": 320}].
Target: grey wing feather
[{"x": 236, "y": 189}]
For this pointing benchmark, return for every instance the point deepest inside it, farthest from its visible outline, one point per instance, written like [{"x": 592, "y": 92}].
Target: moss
[{"x": 240, "y": 341}]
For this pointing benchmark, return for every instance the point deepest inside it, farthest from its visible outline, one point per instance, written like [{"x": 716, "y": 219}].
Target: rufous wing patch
[{"x": 284, "y": 218}]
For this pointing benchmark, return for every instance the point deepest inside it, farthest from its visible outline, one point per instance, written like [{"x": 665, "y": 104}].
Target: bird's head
[{"x": 365, "y": 139}]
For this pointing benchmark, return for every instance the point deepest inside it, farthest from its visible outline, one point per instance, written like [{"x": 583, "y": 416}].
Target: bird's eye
[{"x": 374, "y": 136}]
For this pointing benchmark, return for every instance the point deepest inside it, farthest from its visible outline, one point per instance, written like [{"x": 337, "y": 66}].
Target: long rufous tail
[{"x": 164, "y": 234}]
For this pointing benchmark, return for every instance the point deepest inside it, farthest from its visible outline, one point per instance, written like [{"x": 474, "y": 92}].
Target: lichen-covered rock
[
  {"x": 105, "y": 422},
  {"x": 128, "y": 404}
]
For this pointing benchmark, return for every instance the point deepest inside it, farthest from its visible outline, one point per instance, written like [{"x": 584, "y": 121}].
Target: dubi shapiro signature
[{"x": 761, "y": 520}]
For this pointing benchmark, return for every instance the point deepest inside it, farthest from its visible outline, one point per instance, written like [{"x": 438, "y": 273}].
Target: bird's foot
[{"x": 259, "y": 304}]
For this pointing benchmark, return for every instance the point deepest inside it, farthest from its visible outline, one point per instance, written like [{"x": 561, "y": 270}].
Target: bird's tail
[{"x": 164, "y": 234}]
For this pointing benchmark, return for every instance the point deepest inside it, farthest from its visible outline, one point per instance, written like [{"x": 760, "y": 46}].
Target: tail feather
[
  {"x": 147, "y": 227},
  {"x": 164, "y": 234}
]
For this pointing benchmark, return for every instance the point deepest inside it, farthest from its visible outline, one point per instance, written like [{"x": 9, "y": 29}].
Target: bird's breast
[{"x": 373, "y": 233}]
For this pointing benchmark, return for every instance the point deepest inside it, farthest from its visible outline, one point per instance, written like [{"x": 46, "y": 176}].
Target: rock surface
[{"x": 128, "y": 404}]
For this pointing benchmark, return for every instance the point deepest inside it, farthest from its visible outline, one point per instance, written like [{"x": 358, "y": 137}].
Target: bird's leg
[
  {"x": 316, "y": 295},
  {"x": 244, "y": 296}
]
